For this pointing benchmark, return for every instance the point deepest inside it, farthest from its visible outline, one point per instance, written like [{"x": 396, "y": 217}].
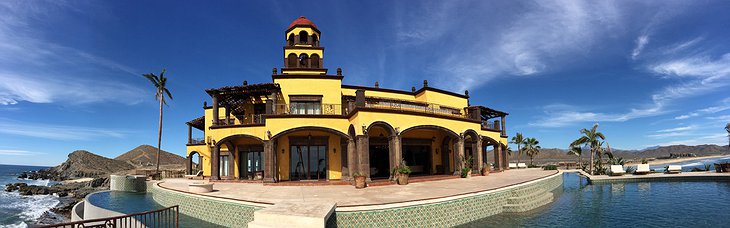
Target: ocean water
[
  {"x": 17, "y": 210},
  {"x": 635, "y": 204},
  {"x": 700, "y": 164}
]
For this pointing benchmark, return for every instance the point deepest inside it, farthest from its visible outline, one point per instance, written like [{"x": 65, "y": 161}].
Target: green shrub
[
  {"x": 402, "y": 168},
  {"x": 465, "y": 172},
  {"x": 630, "y": 169},
  {"x": 550, "y": 167}
]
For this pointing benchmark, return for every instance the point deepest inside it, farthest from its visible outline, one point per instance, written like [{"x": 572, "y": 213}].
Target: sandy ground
[{"x": 675, "y": 160}]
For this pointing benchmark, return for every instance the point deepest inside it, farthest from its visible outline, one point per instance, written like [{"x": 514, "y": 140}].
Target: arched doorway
[
  {"x": 309, "y": 153},
  {"x": 195, "y": 163},
  {"x": 493, "y": 153},
  {"x": 428, "y": 149},
  {"x": 240, "y": 157},
  {"x": 472, "y": 142},
  {"x": 381, "y": 157}
]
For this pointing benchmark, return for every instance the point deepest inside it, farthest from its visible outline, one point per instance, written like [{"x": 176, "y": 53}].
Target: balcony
[
  {"x": 407, "y": 106},
  {"x": 308, "y": 108},
  {"x": 196, "y": 141}
]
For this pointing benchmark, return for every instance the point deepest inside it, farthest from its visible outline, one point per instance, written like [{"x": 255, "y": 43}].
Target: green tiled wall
[
  {"x": 218, "y": 212},
  {"x": 444, "y": 214}
]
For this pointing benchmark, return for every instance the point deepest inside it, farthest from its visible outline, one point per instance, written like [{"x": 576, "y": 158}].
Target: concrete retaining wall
[
  {"x": 92, "y": 211},
  {"x": 77, "y": 212}
]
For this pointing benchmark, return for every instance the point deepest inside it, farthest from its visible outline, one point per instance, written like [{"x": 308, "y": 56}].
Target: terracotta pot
[
  {"x": 402, "y": 179},
  {"x": 485, "y": 171},
  {"x": 360, "y": 182}
]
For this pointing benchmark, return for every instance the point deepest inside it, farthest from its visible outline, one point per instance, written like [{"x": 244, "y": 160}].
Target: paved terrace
[{"x": 346, "y": 195}]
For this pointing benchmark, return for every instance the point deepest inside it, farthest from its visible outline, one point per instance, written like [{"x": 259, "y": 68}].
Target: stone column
[
  {"x": 497, "y": 157},
  {"x": 352, "y": 155},
  {"x": 269, "y": 155},
  {"x": 477, "y": 147},
  {"x": 215, "y": 109},
  {"x": 215, "y": 171},
  {"x": 363, "y": 150},
  {"x": 189, "y": 165},
  {"x": 504, "y": 159},
  {"x": 459, "y": 154}
]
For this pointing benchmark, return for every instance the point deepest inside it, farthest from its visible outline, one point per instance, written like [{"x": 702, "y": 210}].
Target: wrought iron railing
[
  {"x": 166, "y": 217},
  {"x": 197, "y": 141},
  {"x": 402, "y": 105},
  {"x": 241, "y": 120},
  {"x": 308, "y": 108}
]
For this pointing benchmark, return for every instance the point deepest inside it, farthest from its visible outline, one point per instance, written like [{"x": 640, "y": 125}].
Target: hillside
[
  {"x": 83, "y": 163},
  {"x": 145, "y": 155},
  {"x": 555, "y": 154}
]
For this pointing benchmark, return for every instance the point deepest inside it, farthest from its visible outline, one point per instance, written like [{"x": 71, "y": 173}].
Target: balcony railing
[
  {"x": 308, "y": 108},
  {"x": 399, "y": 105},
  {"x": 241, "y": 120},
  {"x": 197, "y": 141}
]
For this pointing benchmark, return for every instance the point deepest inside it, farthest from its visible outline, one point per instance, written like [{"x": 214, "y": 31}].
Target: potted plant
[
  {"x": 359, "y": 180},
  {"x": 401, "y": 173},
  {"x": 485, "y": 169},
  {"x": 466, "y": 166}
]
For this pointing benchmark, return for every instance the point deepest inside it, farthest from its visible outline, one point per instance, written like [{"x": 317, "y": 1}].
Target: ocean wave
[
  {"x": 15, "y": 225},
  {"x": 30, "y": 207},
  {"x": 38, "y": 182}
]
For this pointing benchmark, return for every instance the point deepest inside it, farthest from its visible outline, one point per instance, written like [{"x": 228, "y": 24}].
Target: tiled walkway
[{"x": 345, "y": 195}]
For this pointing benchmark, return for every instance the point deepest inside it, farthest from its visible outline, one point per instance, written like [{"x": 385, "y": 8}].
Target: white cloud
[
  {"x": 34, "y": 69},
  {"x": 677, "y": 129},
  {"x": 717, "y": 139},
  {"x": 18, "y": 153},
  {"x": 641, "y": 41},
  {"x": 57, "y": 132}
]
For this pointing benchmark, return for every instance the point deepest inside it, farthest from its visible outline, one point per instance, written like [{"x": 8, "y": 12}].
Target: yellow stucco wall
[
  {"x": 309, "y": 52},
  {"x": 296, "y": 31},
  {"x": 204, "y": 153},
  {"x": 328, "y": 88}
]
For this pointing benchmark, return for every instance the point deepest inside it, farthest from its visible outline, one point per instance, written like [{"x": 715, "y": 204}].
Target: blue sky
[{"x": 650, "y": 72}]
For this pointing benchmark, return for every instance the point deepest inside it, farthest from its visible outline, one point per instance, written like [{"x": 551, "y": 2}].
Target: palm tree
[
  {"x": 519, "y": 140},
  {"x": 160, "y": 84},
  {"x": 727, "y": 128},
  {"x": 577, "y": 150},
  {"x": 531, "y": 148},
  {"x": 591, "y": 139}
]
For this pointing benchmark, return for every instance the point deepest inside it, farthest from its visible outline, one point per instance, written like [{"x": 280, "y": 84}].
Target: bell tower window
[
  {"x": 304, "y": 61},
  {"x": 290, "y": 41},
  {"x": 291, "y": 60},
  {"x": 315, "y": 61},
  {"x": 303, "y": 37},
  {"x": 314, "y": 40}
]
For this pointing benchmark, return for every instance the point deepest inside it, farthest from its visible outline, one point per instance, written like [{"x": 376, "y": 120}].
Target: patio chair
[
  {"x": 674, "y": 169},
  {"x": 642, "y": 169},
  {"x": 199, "y": 174},
  {"x": 617, "y": 170},
  {"x": 521, "y": 165}
]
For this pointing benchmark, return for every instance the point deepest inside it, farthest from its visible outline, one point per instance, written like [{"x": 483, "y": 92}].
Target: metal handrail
[
  {"x": 308, "y": 108},
  {"x": 165, "y": 217}
]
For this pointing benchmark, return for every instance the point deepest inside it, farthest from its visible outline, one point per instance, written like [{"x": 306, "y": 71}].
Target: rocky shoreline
[{"x": 68, "y": 193}]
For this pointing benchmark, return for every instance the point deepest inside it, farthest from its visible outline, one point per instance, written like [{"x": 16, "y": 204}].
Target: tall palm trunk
[
  {"x": 159, "y": 138},
  {"x": 519, "y": 153},
  {"x": 592, "y": 160}
]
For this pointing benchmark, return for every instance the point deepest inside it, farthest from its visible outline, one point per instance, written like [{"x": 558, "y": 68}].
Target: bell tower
[{"x": 302, "y": 53}]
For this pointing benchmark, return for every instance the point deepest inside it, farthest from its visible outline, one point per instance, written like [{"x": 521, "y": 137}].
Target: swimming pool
[
  {"x": 131, "y": 202},
  {"x": 635, "y": 204}
]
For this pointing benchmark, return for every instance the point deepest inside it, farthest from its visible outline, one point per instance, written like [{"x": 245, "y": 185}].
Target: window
[
  {"x": 303, "y": 37},
  {"x": 303, "y": 60},
  {"x": 291, "y": 60},
  {"x": 291, "y": 39},
  {"x": 223, "y": 165},
  {"x": 315, "y": 61},
  {"x": 314, "y": 39},
  {"x": 305, "y": 104},
  {"x": 306, "y": 107}
]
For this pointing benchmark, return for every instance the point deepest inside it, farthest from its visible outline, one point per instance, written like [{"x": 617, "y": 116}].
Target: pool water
[
  {"x": 635, "y": 204},
  {"x": 130, "y": 202}
]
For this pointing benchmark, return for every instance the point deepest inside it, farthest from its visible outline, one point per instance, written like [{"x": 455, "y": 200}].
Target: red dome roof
[{"x": 302, "y": 21}]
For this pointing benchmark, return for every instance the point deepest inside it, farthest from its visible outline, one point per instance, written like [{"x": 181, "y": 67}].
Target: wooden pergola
[{"x": 235, "y": 98}]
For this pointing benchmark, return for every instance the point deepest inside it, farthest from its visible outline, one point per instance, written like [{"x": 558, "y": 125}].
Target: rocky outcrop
[{"x": 82, "y": 163}]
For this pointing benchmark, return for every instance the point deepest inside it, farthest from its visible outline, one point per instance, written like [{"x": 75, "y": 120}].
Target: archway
[
  {"x": 382, "y": 153},
  {"x": 195, "y": 163},
  {"x": 240, "y": 156},
  {"x": 309, "y": 153},
  {"x": 493, "y": 153},
  {"x": 303, "y": 37},
  {"x": 423, "y": 149}
]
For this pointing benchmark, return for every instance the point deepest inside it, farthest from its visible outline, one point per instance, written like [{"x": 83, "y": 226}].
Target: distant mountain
[
  {"x": 83, "y": 163},
  {"x": 146, "y": 155},
  {"x": 555, "y": 154}
]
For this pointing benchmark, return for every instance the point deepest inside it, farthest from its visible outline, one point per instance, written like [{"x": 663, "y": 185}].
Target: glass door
[{"x": 308, "y": 162}]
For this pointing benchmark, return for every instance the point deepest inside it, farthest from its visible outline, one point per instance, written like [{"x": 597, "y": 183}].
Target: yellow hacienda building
[{"x": 307, "y": 125}]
